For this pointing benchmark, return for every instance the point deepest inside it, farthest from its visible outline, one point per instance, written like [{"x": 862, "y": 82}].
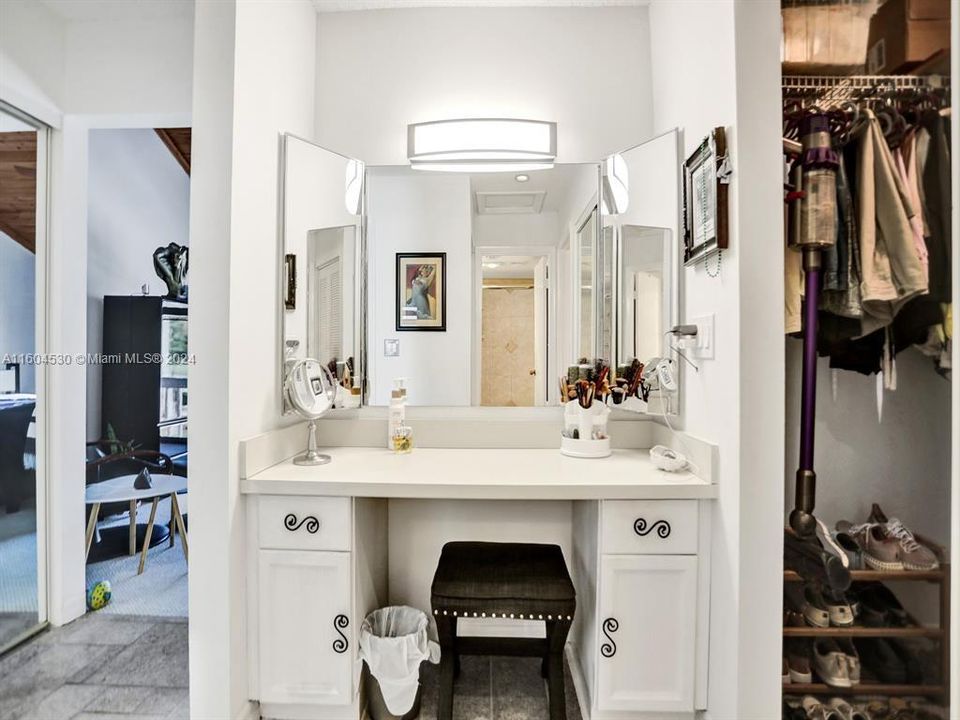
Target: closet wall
[{"x": 900, "y": 460}]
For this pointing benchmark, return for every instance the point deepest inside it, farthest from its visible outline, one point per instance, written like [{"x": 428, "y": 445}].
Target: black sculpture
[{"x": 171, "y": 264}]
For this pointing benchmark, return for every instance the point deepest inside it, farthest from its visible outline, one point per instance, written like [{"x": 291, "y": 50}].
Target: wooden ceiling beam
[{"x": 177, "y": 141}]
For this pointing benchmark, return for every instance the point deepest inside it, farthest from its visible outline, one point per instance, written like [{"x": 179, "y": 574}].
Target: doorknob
[{"x": 533, "y": 372}]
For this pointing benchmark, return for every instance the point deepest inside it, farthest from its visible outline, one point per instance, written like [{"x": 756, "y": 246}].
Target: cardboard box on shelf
[
  {"x": 826, "y": 39},
  {"x": 904, "y": 33}
]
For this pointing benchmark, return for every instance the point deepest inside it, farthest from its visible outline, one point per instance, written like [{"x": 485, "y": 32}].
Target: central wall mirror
[
  {"x": 500, "y": 246},
  {"x": 477, "y": 289}
]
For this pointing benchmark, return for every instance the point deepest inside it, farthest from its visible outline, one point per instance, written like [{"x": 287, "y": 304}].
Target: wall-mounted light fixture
[{"x": 482, "y": 145}]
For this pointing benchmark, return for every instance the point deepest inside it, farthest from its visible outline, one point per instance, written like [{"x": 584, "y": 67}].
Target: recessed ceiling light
[
  {"x": 491, "y": 265},
  {"x": 522, "y": 178}
]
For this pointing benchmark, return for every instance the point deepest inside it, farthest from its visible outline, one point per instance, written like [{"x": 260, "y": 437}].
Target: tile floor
[
  {"x": 100, "y": 666},
  {"x": 498, "y": 688},
  {"x": 120, "y": 668}
]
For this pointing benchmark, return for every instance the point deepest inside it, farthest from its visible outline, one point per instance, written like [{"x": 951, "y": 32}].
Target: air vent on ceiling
[{"x": 510, "y": 203}]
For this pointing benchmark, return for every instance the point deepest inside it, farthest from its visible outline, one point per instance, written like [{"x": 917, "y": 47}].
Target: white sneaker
[{"x": 831, "y": 663}]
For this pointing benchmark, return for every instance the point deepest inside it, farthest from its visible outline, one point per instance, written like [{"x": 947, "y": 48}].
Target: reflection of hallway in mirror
[{"x": 508, "y": 342}]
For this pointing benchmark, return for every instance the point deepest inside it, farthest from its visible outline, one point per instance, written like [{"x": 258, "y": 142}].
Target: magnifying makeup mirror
[{"x": 311, "y": 391}]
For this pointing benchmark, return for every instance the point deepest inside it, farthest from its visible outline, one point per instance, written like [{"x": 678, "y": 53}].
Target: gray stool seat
[{"x": 519, "y": 581}]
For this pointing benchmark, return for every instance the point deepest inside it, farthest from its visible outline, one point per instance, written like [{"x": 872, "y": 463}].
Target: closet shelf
[
  {"x": 864, "y": 632},
  {"x": 941, "y": 574},
  {"x": 864, "y": 689}
]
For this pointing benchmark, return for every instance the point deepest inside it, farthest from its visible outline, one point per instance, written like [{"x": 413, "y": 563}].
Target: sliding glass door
[{"x": 23, "y": 174}]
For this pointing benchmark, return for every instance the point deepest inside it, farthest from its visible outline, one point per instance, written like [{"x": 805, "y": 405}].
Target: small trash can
[{"x": 394, "y": 642}]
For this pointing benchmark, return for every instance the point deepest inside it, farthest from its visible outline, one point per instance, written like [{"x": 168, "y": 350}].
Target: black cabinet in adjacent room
[{"x": 144, "y": 375}]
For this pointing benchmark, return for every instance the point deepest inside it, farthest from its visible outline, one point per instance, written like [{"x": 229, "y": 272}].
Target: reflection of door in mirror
[
  {"x": 644, "y": 252},
  {"x": 514, "y": 332},
  {"x": 586, "y": 245},
  {"x": 330, "y": 304}
]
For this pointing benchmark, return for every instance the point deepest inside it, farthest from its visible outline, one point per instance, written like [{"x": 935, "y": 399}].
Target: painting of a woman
[{"x": 421, "y": 292}]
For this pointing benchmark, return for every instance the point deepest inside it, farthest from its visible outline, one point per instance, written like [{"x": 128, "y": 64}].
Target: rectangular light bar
[{"x": 482, "y": 145}]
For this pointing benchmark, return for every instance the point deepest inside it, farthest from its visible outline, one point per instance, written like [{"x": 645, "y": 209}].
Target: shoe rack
[{"x": 940, "y": 579}]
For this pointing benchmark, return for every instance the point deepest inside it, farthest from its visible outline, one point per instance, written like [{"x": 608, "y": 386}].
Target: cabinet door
[
  {"x": 647, "y": 628},
  {"x": 306, "y": 634}
]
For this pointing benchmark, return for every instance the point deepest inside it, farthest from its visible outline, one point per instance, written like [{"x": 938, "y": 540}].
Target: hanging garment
[
  {"x": 903, "y": 158},
  {"x": 891, "y": 271},
  {"x": 841, "y": 293},
  {"x": 934, "y": 160}
]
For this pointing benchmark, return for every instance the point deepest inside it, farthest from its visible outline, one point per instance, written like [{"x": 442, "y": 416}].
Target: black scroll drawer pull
[
  {"x": 661, "y": 527},
  {"x": 609, "y": 648},
  {"x": 309, "y": 523},
  {"x": 340, "y": 645}
]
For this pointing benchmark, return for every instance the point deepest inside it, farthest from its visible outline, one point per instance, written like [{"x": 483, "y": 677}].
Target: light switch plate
[
  {"x": 704, "y": 342},
  {"x": 391, "y": 347}
]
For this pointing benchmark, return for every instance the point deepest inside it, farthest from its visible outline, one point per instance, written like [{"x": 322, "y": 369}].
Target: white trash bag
[{"x": 394, "y": 642}]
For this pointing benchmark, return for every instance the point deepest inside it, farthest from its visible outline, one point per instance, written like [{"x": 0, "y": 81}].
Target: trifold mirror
[{"x": 475, "y": 289}]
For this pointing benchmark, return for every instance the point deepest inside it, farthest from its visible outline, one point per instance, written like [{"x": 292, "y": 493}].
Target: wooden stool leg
[
  {"x": 132, "y": 550},
  {"x": 556, "y": 640},
  {"x": 148, "y": 537},
  {"x": 92, "y": 526},
  {"x": 447, "y": 632},
  {"x": 180, "y": 526}
]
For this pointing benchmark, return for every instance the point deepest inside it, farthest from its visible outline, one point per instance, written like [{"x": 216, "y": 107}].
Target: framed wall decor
[
  {"x": 422, "y": 291},
  {"x": 706, "y": 176}
]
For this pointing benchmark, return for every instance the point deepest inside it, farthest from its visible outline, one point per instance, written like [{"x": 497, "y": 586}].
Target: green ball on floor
[{"x": 99, "y": 594}]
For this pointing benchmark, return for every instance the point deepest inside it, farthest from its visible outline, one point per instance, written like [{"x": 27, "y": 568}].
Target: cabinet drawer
[
  {"x": 649, "y": 527},
  {"x": 304, "y": 523}
]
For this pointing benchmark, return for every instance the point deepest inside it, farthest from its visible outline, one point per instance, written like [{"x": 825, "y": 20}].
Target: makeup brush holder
[{"x": 585, "y": 431}]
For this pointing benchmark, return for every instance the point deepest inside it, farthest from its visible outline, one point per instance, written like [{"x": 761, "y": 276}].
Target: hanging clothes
[
  {"x": 934, "y": 165},
  {"x": 892, "y": 273}
]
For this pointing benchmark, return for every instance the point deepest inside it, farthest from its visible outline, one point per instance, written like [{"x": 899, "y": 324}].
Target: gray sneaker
[
  {"x": 880, "y": 551},
  {"x": 913, "y": 555}
]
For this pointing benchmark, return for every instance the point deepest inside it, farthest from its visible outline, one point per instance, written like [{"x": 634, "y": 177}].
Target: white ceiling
[
  {"x": 347, "y": 5},
  {"x": 85, "y": 10},
  {"x": 556, "y": 183}
]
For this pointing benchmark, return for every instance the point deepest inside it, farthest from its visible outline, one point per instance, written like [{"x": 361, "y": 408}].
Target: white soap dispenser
[{"x": 396, "y": 415}]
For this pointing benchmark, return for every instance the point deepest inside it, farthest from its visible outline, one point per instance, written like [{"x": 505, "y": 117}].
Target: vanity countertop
[{"x": 478, "y": 474}]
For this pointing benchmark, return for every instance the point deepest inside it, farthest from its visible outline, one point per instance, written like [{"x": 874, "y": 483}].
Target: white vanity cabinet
[
  {"x": 316, "y": 568},
  {"x": 305, "y": 627},
  {"x": 637, "y": 641}
]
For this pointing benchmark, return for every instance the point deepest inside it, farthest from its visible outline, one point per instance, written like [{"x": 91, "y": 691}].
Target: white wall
[
  {"x": 139, "y": 200},
  {"x": 253, "y": 79},
  {"x": 17, "y": 303},
  {"x": 727, "y": 74},
  {"x": 32, "y": 58},
  {"x": 419, "y": 213},
  {"x": 588, "y": 69},
  {"x": 522, "y": 229},
  {"x": 124, "y": 65}
]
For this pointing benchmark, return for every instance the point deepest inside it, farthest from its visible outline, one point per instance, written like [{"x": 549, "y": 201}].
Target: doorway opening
[
  {"x": 514, "y": 333},
  {"x": 138, "y": 222}
]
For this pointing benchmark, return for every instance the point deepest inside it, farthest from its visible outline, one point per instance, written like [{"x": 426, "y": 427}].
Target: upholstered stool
[{"x": 502, "y": 580}]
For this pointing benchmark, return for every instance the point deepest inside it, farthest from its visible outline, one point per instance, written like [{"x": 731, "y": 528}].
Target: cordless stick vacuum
[{"x": 813, "y": 229}]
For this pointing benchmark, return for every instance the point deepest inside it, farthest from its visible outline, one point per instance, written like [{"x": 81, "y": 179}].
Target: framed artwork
[
  {"x": 422, "y": 291},
  {"x": 706, "y": 175}
]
